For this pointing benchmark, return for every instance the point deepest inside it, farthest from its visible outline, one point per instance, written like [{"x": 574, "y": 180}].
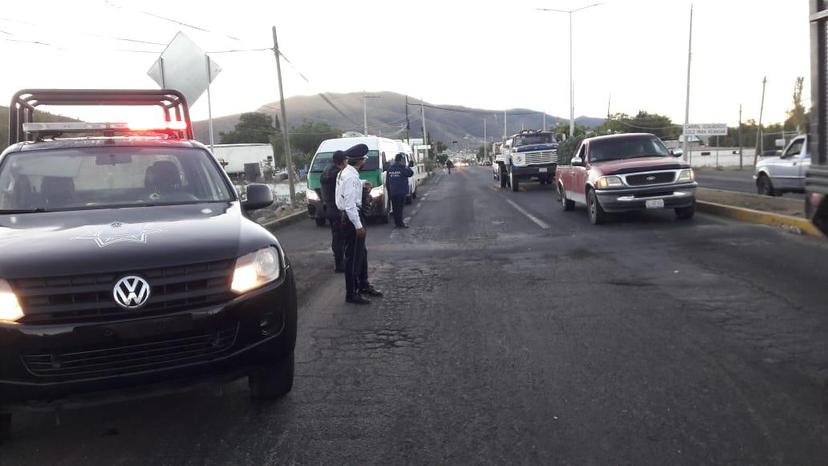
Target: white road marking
[
  {"x": 406, "y": 219},
  {"x": 537, "y": 221}
]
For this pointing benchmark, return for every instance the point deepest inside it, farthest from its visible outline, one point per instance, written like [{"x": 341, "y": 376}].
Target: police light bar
[{"x": 81, "y": 127}]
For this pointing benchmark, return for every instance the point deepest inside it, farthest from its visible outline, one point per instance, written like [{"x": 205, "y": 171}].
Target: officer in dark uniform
[
  {"x": 334, "y": 217},
  {"x": 397, "y": 177}
]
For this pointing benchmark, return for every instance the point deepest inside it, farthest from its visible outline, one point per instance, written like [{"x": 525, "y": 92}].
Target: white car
[{"x": 785, "y": 173}]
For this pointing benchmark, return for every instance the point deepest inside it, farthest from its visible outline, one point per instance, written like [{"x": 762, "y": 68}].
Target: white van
[{"x": 381, "y": 152}]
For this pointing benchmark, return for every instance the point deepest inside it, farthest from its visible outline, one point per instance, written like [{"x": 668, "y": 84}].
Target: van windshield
[
  {"x": 98, "y": 177},
  {"x": 322, "y": 159}
]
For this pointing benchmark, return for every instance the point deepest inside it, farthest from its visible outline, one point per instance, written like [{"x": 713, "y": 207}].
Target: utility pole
[
  {"x": 285, "y": 135},
  {"x": 759, "y": 142},
  {"x": 425, "y": 137},
  {"x": 484, "y": 139},
  {"x": 407, "y": 123},
  {"x": 687, "y": 156},
  {"x": 365, "y": 98},
  {"x": 504, "y": 126},
  {"x": 544, "y": 121},
  {"x": 741, "y": 155},
  {"x": 609, "y": 104},
  {"x": 209, "y": 100}
]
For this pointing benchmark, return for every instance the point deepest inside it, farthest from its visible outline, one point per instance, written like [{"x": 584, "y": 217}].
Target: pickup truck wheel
[
  {"x": 686, "y": 213},
  {"x": 272, "y": 381},
  {"x": 764, "y": 186},
  {"x": 513, "y": 181},
  {"x": 408, "y": 199},
  {"x": 596, "y": 213},
  {"x": 320, "y": 221},
  {"x": 565, "y": 203}
]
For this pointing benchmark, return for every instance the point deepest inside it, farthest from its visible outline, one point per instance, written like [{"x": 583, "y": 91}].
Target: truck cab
[
  {"x": 528, "y": 155},
  {"x": 785, "y": 173},
  {"x": 626, "y": 172}
]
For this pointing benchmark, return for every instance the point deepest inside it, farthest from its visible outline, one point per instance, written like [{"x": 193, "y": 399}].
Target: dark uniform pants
[
  {"x": 397, "y": 203},
  {"x": 337, "y": 239},
  {"x": 356, "y": 261}
]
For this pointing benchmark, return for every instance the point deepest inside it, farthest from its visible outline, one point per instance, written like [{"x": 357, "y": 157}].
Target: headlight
[
  {"x": 377, "y": 192},
  {"x": 256, "y": 269},
  {"x": 519, "y": 159},
  {"x": 10, "y": 310},
  {"x": 311, "y": 194},
  {"x": 609, "y": 182},
  {"x": 687, "y": 175}
]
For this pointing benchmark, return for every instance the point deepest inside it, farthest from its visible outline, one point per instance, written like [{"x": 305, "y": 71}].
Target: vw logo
[{"x": 131, "y": 292}]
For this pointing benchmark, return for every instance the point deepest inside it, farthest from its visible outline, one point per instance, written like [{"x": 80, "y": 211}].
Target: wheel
[
  {"x": 320, "y": 221},
  {"x": 764, "y": 186},
  {"x": 686, "y": 213},
  {"x": 408, "y": 199},
  {"x": 565, "y": 203},
  {"x": 596, "y": 213},
  {"x": 272, "y": 381},
  {"x": 513, "y": 181},
  {"x": 414, "y": 194},
  {"x": 5, "y": 426}
]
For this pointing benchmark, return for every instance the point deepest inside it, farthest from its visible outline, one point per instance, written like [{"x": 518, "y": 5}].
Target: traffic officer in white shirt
[{"x": 349, "y": 189}]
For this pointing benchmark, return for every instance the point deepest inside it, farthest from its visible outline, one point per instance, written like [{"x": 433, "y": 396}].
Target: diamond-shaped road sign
[{"x": 182, "y": 66}]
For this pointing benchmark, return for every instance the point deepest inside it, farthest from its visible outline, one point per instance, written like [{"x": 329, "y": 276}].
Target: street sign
[
  {"x": 183, "y": 66},
  {"x": 706, "y": 129}
]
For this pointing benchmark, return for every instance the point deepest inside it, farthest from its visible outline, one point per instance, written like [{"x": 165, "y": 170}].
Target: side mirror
[
  {"x": 577, "y": 162},
  {"x": 411, "y": 164},
  {"x": 259, "y": 196},
  {"x": 676, "y": 152}
]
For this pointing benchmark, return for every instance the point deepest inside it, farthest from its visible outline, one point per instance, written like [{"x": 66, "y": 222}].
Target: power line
[{"x": 174, "y": 21}]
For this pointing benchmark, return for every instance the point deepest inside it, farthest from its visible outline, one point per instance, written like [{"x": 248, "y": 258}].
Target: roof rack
[{"x": 25, "y": 102}]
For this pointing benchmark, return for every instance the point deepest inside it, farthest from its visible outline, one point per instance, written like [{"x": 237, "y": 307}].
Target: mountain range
[{"x": 387, "y": 117}]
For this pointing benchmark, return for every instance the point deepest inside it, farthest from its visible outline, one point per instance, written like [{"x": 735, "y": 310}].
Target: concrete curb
[
  {"x": 786, "y": 222},
  {"x": 286, "y": 220}
]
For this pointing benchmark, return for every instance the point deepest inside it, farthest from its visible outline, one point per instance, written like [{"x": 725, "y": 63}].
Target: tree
[
  {"x": 797, "y": 116},
  {"x": 307, "y": 137},
  {"x": 252, "y": 128},
  {"x": 481, "y": 152},
  {"x": 644, "y": 122},
  {"x": 439, "y": 147}
]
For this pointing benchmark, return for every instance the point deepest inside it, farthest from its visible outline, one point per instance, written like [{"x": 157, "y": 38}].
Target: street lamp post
[{"x": 571, "y": 83}]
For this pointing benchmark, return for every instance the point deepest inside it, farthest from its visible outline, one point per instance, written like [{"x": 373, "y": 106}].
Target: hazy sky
[{"x": 480, "y": 54}]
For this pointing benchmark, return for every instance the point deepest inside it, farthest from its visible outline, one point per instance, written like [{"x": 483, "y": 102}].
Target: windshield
[
  {"x": 626, "y": 148},
  {"x": 322, "y": 159},
  {"x": 101, "y": 177},
  {"x": 543, "y": 138}
]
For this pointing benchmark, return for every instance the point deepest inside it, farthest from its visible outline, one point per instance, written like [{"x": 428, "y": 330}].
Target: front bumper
[
  {"x": 627, "y": 199},
  {"x": 61, "y": 362},
  {"x": 534, "y": 171},
  {"x": 376, "y": 207}
]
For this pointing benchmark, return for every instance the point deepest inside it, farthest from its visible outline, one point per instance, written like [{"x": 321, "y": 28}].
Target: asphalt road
[
  {"x": 732, "y": 180},
  {"x": 514, "y": 333}
]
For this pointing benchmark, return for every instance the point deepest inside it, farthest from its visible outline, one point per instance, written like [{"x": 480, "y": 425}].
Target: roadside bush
[{"x": 567, "y": 149}]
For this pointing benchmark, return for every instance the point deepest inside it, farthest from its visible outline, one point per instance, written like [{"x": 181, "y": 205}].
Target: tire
[
  {"x": 409, "y": 199},
  {"x": 764, "y": 186},
  {"x": 272, "y": 381},
  {"x": 320, "y": 221},
  {"x": 513, "y": 181},
  {"x": 414, "y": 194},
  {"x": 596, "y": 213},
  {"x": 567, "y": 204},
  {"x": 686, "y": 213}
]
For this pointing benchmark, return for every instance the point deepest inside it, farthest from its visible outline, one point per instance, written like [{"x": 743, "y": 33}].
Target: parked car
[
  {"x": 625, "y": 172},
  {"x": 785, "y": 173}
]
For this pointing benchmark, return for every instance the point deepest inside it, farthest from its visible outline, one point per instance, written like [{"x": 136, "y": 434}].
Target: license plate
[
  {"x": 542, "y": 170},
  {"x": 654, "y": 203}
]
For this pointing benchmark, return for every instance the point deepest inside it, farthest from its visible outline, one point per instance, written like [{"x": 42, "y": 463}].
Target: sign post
[{"x": 704, "y": 129}]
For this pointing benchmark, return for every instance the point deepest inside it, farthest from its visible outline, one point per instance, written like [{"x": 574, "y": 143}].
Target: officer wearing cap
[
  {"x": 397, "y": 175},
  {"x": 328, "y": 194},
  {"x": 349, "y": 199}
]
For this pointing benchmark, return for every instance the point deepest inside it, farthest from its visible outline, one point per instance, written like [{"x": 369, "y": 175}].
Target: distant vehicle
[
  {"x": 381, "y": 152},
  {"x": 625, "y": 172},
  {"x": 529, "y": 154},
  {"x": 487, "y": 163},
  {"x": 236, "y": 156},
  {"x": 784, "y": 173},
  {"x": 130, "y": 264}
]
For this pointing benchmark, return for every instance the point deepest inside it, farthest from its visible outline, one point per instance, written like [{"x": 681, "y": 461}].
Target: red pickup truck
[{"x": 624, "y": 172}]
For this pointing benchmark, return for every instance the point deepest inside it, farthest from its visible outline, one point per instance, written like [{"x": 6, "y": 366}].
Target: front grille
[
  {"x": 645, "y": 179},
  {"x": 139, "y": 355},
  {"x": 89, "y": 298},
  {"x": 548, "y": 156}
]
